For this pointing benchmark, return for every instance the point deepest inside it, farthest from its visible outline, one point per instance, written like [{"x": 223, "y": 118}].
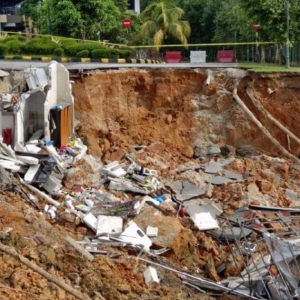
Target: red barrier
[
  {"x": 7, "y": 136},
  {"x": 173, "y": 57},
  {"x": 225, "y": 56}
]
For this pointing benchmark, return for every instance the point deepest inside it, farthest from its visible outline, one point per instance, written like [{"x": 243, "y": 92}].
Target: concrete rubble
[{"x": 230, "y": 229}]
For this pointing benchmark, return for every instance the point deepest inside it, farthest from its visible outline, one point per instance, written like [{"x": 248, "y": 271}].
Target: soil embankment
[{"x": 171, "y": 121}]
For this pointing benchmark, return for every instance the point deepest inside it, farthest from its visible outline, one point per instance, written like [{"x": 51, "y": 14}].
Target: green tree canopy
[{"x": 162, "y": 19}]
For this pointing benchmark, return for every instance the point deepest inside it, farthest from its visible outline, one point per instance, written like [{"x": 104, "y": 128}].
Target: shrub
[
  {"x": 19, "y": 38},
  {"x": 67, "y": 42},
  {"x": 100, "y": 53},
  {"x": 114, "y": 53},
  {"x": 83, "y": 53},
  {"x": 15, "y": 47},
  {"x": 73, "y": 49},
  {"x": 3, "y": 49},
  {"x": 124, "y": 54},
  {"x": 40, "y": 45},
  {"x": 59, "y": 52}
]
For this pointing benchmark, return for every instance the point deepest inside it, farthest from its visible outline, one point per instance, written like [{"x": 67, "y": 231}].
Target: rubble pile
[
  {"x": 146, "y": 216},
  {"x": 222, "y": 224}
]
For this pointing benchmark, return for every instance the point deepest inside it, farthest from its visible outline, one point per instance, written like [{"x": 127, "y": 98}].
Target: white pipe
[{"x": 41, "y": 194}]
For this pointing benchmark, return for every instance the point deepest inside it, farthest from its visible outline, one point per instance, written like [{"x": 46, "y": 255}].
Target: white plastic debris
[
  {"x": 205, "y": 221},
  {"x": 150, "y": 276},
  {"x": 152, "y": 231},
  {"x": 69, "y": 204},
  {"x": 135, "y": 236},
  {"x": 89, "y": 203},
  {"x": 50, "y": 211},
  {"x": 30, "y": 174},
  {"x": 113, "y": 169},
  {"x": 109, "y": 224},
  {"x": 91, "y": 221}
]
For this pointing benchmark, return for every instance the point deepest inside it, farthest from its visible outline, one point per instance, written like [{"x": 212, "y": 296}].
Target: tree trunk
[
  {"x": 259, "y": 106},
  {"x": 263, "y": 129}
]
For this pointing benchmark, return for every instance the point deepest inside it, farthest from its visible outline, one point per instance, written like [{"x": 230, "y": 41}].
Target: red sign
[
  {"x": 127, "y": 23},
  {"x": 256, "y": 27}
]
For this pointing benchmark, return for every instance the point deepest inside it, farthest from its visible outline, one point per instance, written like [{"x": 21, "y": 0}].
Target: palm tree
[{"x": 162, "y": 18}]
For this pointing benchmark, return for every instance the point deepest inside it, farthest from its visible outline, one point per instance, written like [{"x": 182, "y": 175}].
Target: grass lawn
[{"x": 269, "y": 68}]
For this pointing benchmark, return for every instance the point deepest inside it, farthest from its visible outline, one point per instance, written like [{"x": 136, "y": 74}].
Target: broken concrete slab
[
  {"x": 213, "y": 167},
  {"x": 184, "y": 190},
  {"x": 235, "y": 176},
  {"x": 134, "y": 235},
  {"x": 109, "y": 224},
  {"x": 214, "y": 209},
  {"x": 150, "y": 276},
  {"x": 152, "y": 231},
  {"x": 218, "y": 180},
  {"x": 113, "y": 169},
  {"x": 204, "y": 221},
  {"x": 91, "y": 221}
]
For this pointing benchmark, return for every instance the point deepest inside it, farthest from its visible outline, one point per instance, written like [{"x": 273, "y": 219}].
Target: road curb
[{"x": 81, "y": 60}]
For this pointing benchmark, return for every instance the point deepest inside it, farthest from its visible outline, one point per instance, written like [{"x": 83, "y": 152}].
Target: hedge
[
  {"x": 59, "y": 52},
  {"x": 3, "y": 49},
  {"x": 44, "y": 45},
  {"x": 40, "y": 46},
  {"x": 15, "y": 47},
  {"x": 83, "y": 53},
  {"x": 72, "y": 50}
]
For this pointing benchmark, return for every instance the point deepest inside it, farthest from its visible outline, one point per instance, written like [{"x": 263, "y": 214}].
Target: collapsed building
[{"x": 154, "y": 218}]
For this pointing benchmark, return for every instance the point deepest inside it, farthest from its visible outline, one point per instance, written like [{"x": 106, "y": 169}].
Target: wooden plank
[{"x": 65, "y": 122}]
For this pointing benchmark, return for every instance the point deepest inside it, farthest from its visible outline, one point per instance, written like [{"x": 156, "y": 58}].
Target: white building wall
[{"x": 60, "y": 91}]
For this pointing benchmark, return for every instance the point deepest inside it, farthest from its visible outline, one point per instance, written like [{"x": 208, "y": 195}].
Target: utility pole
[{"x": 287, "y": 63}]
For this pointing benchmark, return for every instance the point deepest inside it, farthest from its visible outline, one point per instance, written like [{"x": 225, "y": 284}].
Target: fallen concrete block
[
  {"x": 113, "y": 169},
  {"x": 28, "y": 160},
  {"x": 205, "y": 221},
  {"x": 150, "y": 276},
  {"x": 91, "y": 221},
  {"x": 9, "y": 165},
  {"x": 31, "y": 173},
  {"x": 135, "y": 236},
  {"x": 108, "y": 224},
  {"x": 152, "y": 231}
]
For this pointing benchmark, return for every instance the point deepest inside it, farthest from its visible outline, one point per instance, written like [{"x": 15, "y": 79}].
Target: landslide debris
[{"x": 170, "y": 122}]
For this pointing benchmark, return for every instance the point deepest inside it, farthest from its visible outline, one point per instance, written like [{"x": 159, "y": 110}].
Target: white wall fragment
[
  {"x": 205, "y": 221},
  {"x": 109, "y": 224},
  {"x": 150, "y": 276},
  {"x": 135, "y": 236},
  {"x": 91, "y": 221},
  {"x": 152, "y": 231}
]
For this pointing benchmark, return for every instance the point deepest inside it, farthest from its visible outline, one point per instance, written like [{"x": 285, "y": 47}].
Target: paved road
[{"x": 20, "y": 65}]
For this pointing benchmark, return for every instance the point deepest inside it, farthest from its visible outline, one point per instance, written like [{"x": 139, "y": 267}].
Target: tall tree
[
  {"x": 232, "y": 22},
  {"x": 162, "y": 18},
  {"x": 201, "y": 14}
]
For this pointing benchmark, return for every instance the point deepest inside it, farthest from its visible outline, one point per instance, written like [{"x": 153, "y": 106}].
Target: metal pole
[{"x": 287, "y": 64}]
